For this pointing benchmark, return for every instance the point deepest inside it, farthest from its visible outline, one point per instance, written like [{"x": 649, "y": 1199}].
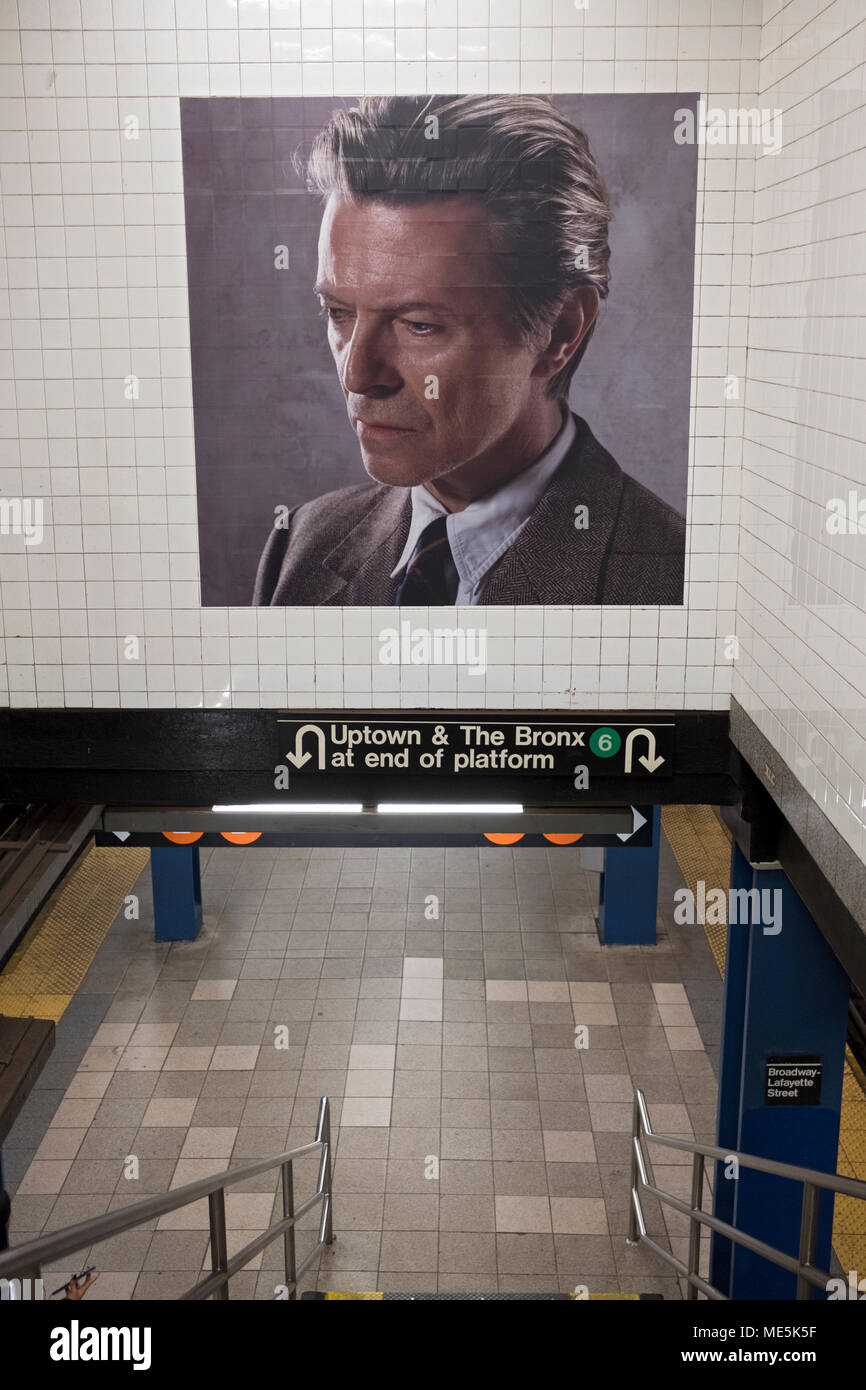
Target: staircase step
[{"x": 484, "y": 1297}]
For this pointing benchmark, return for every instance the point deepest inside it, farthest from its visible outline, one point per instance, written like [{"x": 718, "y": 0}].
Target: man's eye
[
  {"x": 333, "y": 313},
  {"x": 422, "y": 329}
]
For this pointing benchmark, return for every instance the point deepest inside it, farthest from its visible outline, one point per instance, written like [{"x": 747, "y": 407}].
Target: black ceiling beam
[{"x": 195, "y": 757}]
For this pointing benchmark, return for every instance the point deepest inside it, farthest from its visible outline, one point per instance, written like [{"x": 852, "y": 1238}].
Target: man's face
[{"x": 426, "y": 345}]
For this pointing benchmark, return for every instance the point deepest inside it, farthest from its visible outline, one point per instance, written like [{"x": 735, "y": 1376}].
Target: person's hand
[{"x": 79, "y": 1284}]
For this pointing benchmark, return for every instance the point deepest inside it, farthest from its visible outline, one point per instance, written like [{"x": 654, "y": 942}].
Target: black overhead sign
[
  {"x": 537, "y": 746},
  {"x": 639, "y": 837},
  {"x": 793, "y": 1080}
]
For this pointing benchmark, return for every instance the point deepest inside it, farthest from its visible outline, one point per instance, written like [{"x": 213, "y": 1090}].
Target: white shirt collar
[{"x": 483, "y": 531}]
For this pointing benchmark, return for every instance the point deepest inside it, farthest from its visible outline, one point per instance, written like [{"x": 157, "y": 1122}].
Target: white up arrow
[
  {"x": 637, "y": 821},
  {"x": 651, "y": 762},
  {"x": 298, "y": 758}
]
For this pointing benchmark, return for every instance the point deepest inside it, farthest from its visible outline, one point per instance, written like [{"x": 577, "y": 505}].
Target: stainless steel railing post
[
  {"x": 323, "y": 1134},
  {"x": 329, "y": 1220},
  {"x": 219, "y": 1257},
  {"x": 808, "y": 1237},
  {"x": 633, "y": 1235},
  {"x": 694, "y": 1224},
  {"x": 289, "y": 1235}
]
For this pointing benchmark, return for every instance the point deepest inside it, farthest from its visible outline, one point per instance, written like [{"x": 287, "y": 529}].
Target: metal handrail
[
  {"x": 808, "y": 1274},
  {"x": 26, "y": 1260}
]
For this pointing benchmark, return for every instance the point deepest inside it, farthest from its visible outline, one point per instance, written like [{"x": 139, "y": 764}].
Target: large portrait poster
[{"x": 441, "y": 348}]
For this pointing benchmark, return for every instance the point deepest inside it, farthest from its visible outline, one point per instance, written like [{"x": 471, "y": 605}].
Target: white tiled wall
[
  {"x": 95, "y": 289},
  {"x": 802, "y": 593}
]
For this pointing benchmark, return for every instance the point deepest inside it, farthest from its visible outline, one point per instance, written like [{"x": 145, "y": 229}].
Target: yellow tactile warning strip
[
  {"x": 702, "y": 848},
  {"x": 48, "y": 966},
  {"x": 849, "y": 1221}
]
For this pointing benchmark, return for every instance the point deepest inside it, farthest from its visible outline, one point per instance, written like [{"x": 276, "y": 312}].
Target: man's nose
[{"x": 366, "y": 364}]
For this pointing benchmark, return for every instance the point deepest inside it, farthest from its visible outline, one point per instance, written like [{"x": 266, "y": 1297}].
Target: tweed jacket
[{"x": 340, "y": 549}]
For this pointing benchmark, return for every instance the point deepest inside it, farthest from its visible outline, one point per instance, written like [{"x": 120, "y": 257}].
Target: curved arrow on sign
[
  {"x": 651, "y": 762},
  {"x": 299, "y": 757}
]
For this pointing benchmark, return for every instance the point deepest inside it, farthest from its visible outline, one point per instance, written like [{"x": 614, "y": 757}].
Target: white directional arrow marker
[
  {"x": 651, "y": 762},
  {"x": 637, "y": 820},
  {"x": 122, "y": 834},
  {"x": 299, "y": 757}
]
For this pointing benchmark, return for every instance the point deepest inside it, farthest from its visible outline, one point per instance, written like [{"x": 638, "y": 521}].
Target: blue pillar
[
  {"x": 733, "y": 1035},
  {"x": 628, "y": 893},
  {"x": 5, "y": 1208},
  {"x": 176, "y": 880},
  {"x": 786, "y": 997}
]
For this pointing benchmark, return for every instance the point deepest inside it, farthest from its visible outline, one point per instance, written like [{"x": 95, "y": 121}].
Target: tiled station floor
[{"x": 476, "y": 1148}]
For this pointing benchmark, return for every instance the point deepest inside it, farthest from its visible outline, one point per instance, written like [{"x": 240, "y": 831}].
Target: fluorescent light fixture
[
  {"x": 299, "y": 808},
  {"x": 409, "y": 808},
  {"x": 349, "y": 808}
]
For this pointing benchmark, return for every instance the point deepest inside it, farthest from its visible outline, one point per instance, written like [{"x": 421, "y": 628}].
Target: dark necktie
[{"x": 431, "y": 577}]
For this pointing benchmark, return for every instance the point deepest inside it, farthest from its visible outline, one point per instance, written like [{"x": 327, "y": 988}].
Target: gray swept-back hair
[{"x": 532, "y": 168}]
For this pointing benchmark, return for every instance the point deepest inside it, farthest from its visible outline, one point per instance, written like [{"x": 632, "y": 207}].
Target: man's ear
[{"x": 573, "y": 322}]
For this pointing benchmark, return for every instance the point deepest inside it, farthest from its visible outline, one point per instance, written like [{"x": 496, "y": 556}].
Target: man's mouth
[{"x": 371, "y": 429}]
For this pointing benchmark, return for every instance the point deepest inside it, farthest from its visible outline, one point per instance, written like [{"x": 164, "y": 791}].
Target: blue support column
[
  {"x": 786, "y": 996},
  {"x": 176, "y": 877},
  {"x": 628, "y": 893},
  {"x": 733, "y": 1038},
  {"x": 5, "y": 1209}
]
